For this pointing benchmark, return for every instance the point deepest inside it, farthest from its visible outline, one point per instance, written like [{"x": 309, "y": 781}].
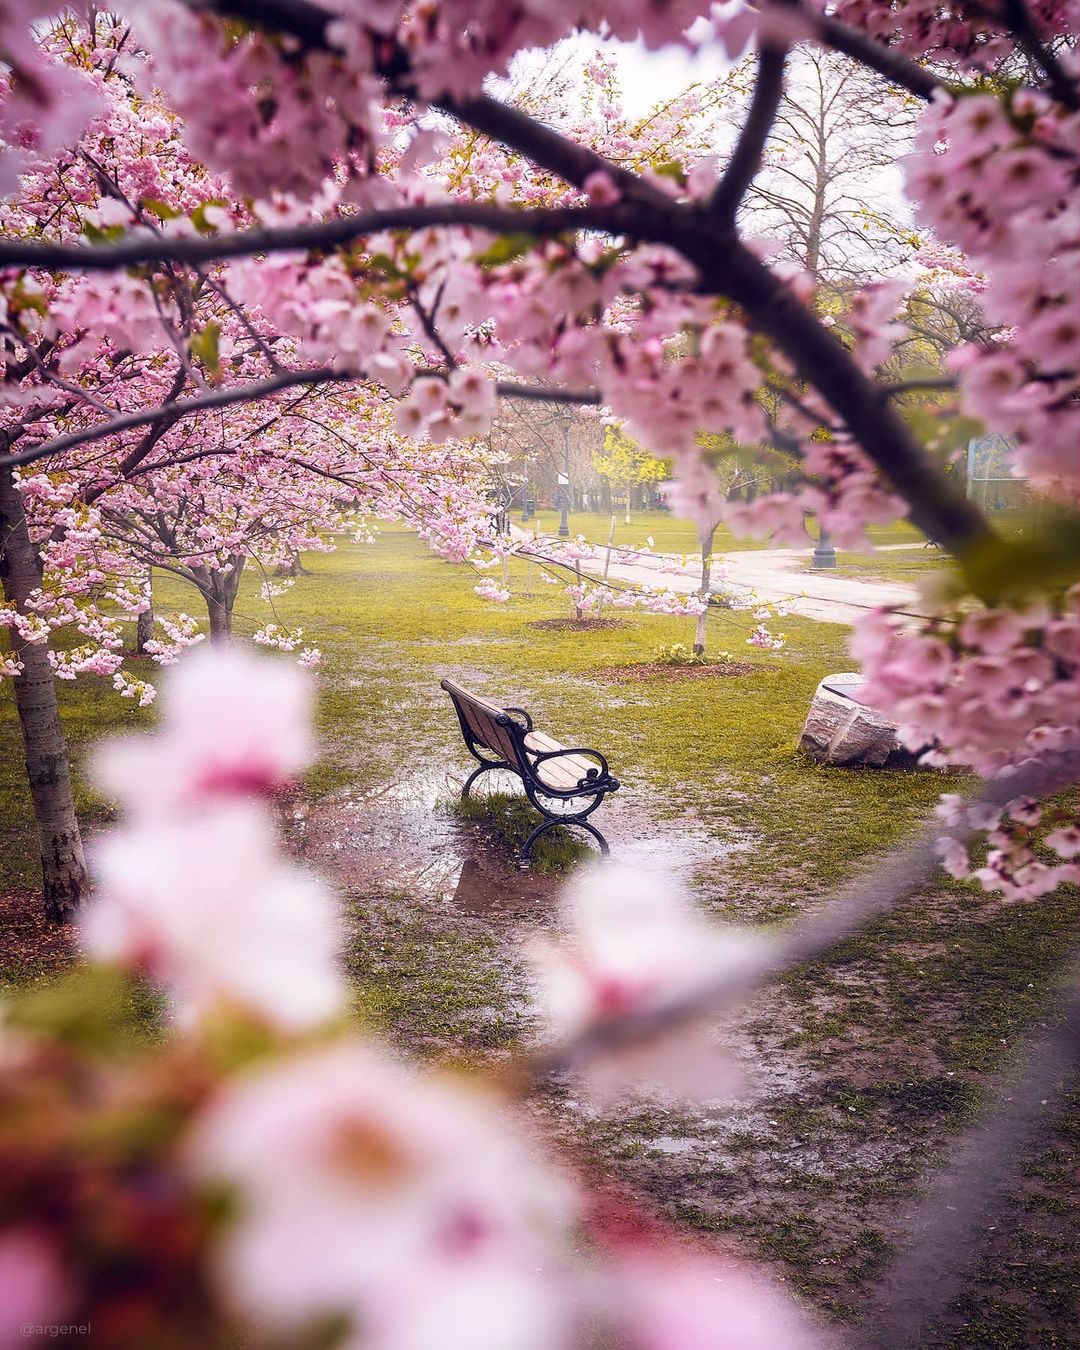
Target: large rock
[{"x": 841, "y": 730}]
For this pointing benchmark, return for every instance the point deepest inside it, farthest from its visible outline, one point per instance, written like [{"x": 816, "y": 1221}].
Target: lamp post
[
  {"x": 527, "y": 503},
  {"x": 824, "y": 554},
  {"x": 563, "y": 415}
]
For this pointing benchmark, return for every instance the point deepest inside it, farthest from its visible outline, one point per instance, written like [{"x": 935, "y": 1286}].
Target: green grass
[
  {"x": 509, "y": 821},
  {"x": 391, "y": 620},
  {"x": 900, "y": 566}
]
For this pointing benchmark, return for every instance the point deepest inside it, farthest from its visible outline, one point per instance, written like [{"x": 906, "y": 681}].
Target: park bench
[{"x": 565, "y": 785}]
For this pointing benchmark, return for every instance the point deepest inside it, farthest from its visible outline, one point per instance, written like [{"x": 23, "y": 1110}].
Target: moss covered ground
[{"x": 860, "y": 1070}]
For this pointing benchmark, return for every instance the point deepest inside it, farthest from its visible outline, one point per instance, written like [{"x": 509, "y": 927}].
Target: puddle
[
  {"x": 669, "y": 1144},
  {"x": 403, "y": 837}
]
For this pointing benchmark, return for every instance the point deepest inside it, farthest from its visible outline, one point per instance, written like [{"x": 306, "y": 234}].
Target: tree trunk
[
  {"x": 703, "y": 591},
  {"x": 144, "y": 625},
  {"x": 220, "y": 611},
  {"x": 63, "y": 867},
  {"x": 219, "y": 590}
]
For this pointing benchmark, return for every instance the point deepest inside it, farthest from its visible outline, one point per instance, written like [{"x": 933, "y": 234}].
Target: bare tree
[{"x": 827, "y": 189}]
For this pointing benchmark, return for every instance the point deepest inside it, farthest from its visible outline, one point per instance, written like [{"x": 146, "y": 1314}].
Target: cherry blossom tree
[
  {"x": 199, "y": 496},
  {"x": 353, "y": 249}
]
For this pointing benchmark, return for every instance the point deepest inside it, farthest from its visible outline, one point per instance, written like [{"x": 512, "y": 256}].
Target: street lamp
[
  {"x": 564, "y": 415},
  {"x": 824, "y": 554}
]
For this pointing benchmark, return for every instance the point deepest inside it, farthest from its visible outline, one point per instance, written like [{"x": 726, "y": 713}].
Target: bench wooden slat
[
  {"x": 480, "y": 715},
  {"x": 563, "y": 773}
]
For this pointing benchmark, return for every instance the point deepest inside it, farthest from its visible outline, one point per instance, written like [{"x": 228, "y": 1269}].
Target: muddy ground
[{"x": 858, "y": 1076}]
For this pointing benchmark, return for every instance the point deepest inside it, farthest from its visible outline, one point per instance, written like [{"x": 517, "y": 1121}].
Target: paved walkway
[{"x": 772, "y": 574}]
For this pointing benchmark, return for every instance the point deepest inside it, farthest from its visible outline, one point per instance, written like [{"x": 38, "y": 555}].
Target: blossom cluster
[
  {"x": 283, "y": 639},
  {"x": 968, "y": 34},
  {"x": 489, "y": 589},
  {"x": 1012, "y": 866},
  {"x": 990, "y": 689},
  {"x": 996, "y": 179}
]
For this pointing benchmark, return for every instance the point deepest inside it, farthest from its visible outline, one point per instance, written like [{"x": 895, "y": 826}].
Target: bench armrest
[
  {"x": 601, "y": 772},
  {"x": 521, "y": 711}
]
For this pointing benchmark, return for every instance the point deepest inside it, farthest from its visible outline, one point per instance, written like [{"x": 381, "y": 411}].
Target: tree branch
[
  {"x": 539, "y": 393},
  {"x": 1064, "y": 87},
  {"x": 937, "y": 507},
  {"x": 868, "y": 899},
  {"x": 746, "y": 159},
  {"x": 173, "y": 412},
  {"x": 930, "y": 383},
  {"x": 945, "y": 1224},
  {"x": 887, "y": 61},
  {"x": 148, "y": 250}
]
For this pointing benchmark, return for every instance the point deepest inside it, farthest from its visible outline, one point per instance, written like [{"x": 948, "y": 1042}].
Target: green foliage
[
  {"x": 506, "y": 249},
  {"x": 95, "y": 1009},
  {"x": 1045, "y": 562},
  {"x": 199, "y": 218},
  {"x": 679, "y": 654},
  {"x": 204, "y": 346},
  {"x": 162, "y": 210},
  {"x": 626, "y": 464}
]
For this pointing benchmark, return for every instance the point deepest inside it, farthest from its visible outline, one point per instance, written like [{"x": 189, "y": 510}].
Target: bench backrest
[{"x": 487, "y": 724}]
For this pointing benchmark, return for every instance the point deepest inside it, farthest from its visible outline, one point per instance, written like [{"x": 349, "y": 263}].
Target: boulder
[{"x": 841, "y": 730}]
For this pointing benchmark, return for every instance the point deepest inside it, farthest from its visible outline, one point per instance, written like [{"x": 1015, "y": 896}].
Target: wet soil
[
  {"x": 30, "y": 946},
  {"x": 406, "y": 838},
  {"x": 667, "y": 670}
]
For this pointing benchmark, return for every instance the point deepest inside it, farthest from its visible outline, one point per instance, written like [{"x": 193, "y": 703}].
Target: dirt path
[{"x": 777, "y": 574}]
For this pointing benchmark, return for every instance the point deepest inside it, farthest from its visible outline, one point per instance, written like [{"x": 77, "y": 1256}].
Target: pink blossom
[
  {"x": 33, "y": 1285},
  {"x": 633, "y": 943},
  {"x": 666, "y": 1299},
  {"x": 1065, "y": 841},
  {"x": 164, "y": 884},
  {"x": 408, "y": 1205},
  {"x": 234, "y": 724},
  {"x": 600, "y": 190}
]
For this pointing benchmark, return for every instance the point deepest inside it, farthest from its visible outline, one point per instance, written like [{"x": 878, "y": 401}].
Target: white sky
[{"x": 649, "y": 77}]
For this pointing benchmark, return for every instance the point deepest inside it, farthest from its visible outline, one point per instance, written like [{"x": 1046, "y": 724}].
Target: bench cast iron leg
[
  {"x": 526, "y": 852},
  {"x": 476, "y": 774}
]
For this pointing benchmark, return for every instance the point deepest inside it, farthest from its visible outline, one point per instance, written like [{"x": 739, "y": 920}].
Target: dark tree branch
[
  {"x": 1063, "y": 86},
  {"x": 173, "y": 412},
  {"x": 299, "y": 238},
  {"x": 895, "y": 66},
  {"x": 868, "y": 899},
  {"x": 937, "y": 507},
  {"x": 944, "y": 1227},
  {"x": 550, "y": 149},
  {"x": 746, "y": 159},
  {"x": 931, "y": 384},
  {"x": 306, "y": 22},
  {"x": 538, "y": 393}
]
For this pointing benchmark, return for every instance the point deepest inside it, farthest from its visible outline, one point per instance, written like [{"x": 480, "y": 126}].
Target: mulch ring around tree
[
  {"x": 667, "y": 670},
  {"x": 29, "y": 944},
  {"x": 578, "y": 625}
]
